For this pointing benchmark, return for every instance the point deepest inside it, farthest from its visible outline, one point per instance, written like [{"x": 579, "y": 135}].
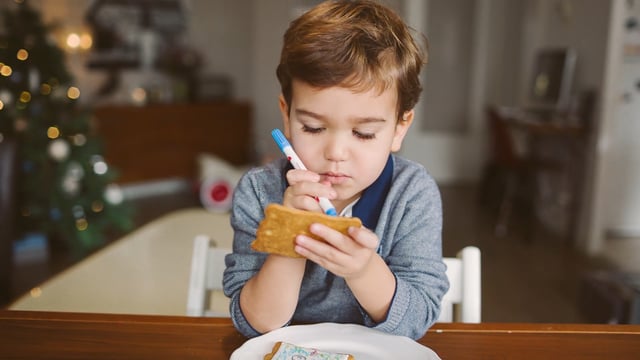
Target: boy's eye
[
  {"x": 311, "y": 130},
  {"x": 363, "y": 136},
  {"x": 358, "y": 134}
]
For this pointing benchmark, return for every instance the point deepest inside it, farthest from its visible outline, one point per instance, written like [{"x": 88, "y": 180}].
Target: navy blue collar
[{"x": 369, "y": 206}]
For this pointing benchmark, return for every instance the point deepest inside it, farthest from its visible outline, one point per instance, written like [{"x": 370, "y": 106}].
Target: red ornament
[
  {"x": 216, "y": 195},
  {"x": 219, "y": 191}
]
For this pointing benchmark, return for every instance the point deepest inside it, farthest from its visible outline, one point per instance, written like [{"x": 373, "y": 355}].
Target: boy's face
[{"x": 344, "y": 136}]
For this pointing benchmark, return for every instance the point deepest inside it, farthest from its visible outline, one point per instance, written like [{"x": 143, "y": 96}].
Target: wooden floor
[
  {"x": 535, "y": 280},
  {"x": 522, "y": 281}
]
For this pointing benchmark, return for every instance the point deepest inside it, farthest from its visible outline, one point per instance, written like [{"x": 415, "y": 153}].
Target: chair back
[
  {"x": 462, "y": 303},
  {"x": 205, "y": 297},
  {"x": 501, "y": 143}
]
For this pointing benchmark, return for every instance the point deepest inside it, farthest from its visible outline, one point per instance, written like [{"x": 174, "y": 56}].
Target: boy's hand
[
  {"x": 345, "y": 256},
  {"x": 304, "y": 187}
]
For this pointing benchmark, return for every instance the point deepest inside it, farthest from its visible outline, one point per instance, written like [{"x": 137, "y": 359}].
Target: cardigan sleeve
[
  {"x": 412, "y": 248},
  {"x": 249, "y": 200}
]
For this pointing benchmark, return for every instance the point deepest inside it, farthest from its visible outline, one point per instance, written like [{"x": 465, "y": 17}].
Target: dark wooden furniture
[
  {"x": 568, "y": 138},
  {"x": 154, "y": 142},
  {"x": 49, "y": 335},
  {"x": 552, "y": 145},
  {"x": 8, "y": 192}
]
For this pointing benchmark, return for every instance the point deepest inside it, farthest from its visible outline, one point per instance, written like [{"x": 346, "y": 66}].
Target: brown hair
[{"x": 359, "y": 45}]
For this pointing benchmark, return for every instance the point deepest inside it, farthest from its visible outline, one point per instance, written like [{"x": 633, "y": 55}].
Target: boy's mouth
[{"x": 334, "y": 178}]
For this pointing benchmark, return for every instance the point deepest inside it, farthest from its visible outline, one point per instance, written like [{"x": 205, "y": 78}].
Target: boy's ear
[
  {"x": 401, "y": 130},
  {"x": 284, "y": 111}
]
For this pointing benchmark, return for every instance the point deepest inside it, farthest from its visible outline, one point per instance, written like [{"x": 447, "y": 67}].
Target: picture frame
[{"x": 552, "y": 79}]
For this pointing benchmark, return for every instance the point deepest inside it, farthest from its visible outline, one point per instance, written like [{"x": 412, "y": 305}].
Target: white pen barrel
[{"x": 293, "y": 158}]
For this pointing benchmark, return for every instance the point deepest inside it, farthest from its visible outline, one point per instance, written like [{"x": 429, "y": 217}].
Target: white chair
[
  {"x": 205, "y": 297},
  {"x": 462, "y": 303}
]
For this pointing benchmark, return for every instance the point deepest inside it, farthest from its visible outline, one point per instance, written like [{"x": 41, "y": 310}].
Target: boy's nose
[{"x": 335, "y": 149}]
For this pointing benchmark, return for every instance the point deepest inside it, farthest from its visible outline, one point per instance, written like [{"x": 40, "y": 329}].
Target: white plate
[{"x": 360, "y": 341}]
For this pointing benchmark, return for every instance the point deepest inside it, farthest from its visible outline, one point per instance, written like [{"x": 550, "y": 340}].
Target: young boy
[{"x": 349, "y": 74}]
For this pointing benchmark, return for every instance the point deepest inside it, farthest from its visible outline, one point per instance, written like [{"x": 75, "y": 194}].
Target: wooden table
[{"x": 58, "y": 335}]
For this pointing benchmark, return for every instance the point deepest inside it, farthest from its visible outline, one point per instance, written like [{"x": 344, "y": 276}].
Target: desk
[
  {"x": 542, "y": 124},
  {"x": 25, "y": 334}
]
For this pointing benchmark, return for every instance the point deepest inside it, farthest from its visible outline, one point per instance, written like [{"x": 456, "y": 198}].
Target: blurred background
[{"x": 114, "y": 113}]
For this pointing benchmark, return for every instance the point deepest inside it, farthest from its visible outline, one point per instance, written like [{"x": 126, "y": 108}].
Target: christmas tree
[{"x": 66, "y": 189}]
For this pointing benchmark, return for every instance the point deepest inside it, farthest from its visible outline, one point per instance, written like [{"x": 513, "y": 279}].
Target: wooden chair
[
  {"x": 462, "y": 303},
  {"x": 514, "y": 171},
  {"x": 205, "y": 297}
]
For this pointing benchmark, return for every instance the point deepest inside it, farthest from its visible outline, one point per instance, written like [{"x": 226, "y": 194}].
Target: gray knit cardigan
[{"x": 410, "y": 233}]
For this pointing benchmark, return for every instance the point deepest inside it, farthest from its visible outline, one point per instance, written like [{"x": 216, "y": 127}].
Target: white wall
[
  {"x": 621, "y": 164},
  {"x": 224, "y": 31},
  {"x": 450, "y": 155},
  {"x": 271, "y": 20}
]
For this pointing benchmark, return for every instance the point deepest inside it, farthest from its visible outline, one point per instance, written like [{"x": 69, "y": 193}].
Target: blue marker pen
[{"x": 291, "y": 155}]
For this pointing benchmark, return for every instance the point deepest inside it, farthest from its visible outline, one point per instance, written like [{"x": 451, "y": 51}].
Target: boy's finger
[
  {"x": 364, "y": 237},
  {"x": 296, "y": 175}
]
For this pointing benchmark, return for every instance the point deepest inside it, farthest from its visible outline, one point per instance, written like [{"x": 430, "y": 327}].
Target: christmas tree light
[{"x": 67, "y": 190}]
